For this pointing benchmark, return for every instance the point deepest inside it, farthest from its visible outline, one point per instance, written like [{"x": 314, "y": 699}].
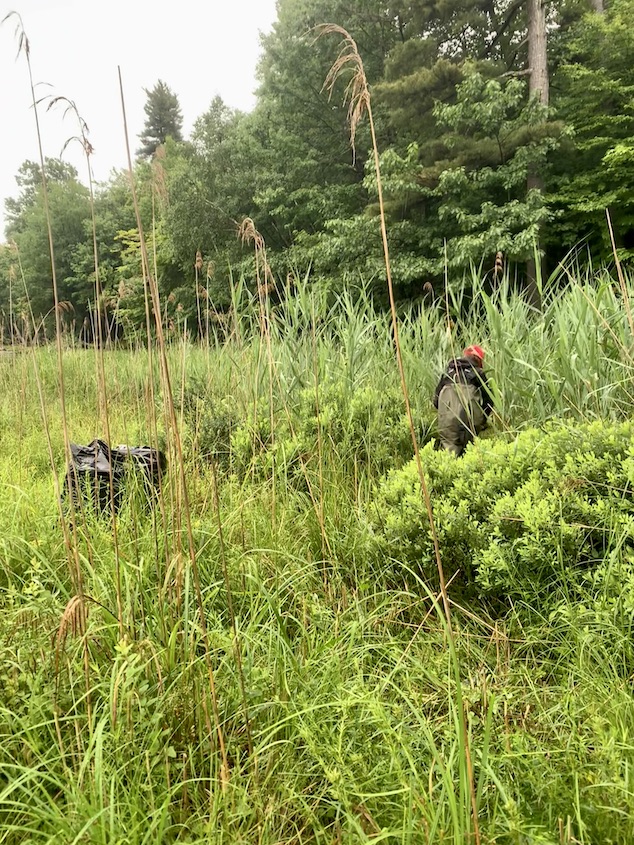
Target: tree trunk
[
  {"x": 537, "y": 51},
  {"x": 537, "y": 87},
  {"x": 598, "y": 6}
]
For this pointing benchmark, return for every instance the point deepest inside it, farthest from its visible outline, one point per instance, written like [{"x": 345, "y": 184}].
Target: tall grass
[
  {"x": 237, "y": 663},
  {"x": 341, "y": 720}
]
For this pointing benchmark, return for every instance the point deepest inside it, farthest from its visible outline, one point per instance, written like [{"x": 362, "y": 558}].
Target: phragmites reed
[
  {"x": 198, "y": 266},
  {"x": 72, "y": 621},
  {"x": 70, "y": 542},
  {"x": 152, "y": 295},
  {"x": 357, "y": 96},
  {"x": 70, "y": 107},
  {"x": 619, "y": 270},
  {"x": 357, "y": 93},
  {"x": 248, "y": 234},
  {"x": 24, "y": 48},
  {"x": 159, "y": 177}
]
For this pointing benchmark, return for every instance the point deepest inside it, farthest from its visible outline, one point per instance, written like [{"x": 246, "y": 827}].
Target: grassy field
[{"x": 263, "y": 656}]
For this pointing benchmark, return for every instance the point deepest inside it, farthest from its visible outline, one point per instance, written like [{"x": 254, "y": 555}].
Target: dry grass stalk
[
  {"x": 151, "y": 286},
  {"x": 619, "y": 270},
  {"x": 159, "y": 177},
  {"x": 236, "y": 639},
  {"x": 198, "y": 266},
  {"x": 357, "y": 93},
  {"x": 73, "y": 621},
  {"x": 248, "y": 233},
  {"x": 70, "y": 108},
  {"x": 358, "y": 97},
  {"x": 24, "y": 48},
  {"x": 349, "y": 58},
  {"x": 70, "y": 542}
]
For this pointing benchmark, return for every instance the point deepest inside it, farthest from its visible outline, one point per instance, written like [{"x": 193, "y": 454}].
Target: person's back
[{"x": 463, "y": 400}]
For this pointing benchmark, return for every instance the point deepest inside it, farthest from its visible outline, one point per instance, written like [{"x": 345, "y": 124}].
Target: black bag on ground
[
  {"x": 97, "y": 473},
  {"x": 151, "y": 464}
]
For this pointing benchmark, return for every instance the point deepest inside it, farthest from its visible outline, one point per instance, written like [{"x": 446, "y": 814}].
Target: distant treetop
[{"x": 163, "y": 119}]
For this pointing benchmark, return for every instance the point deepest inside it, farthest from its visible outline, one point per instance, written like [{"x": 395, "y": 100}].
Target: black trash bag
[
  {"x": 150, "y": 462},
  {"x": 97, "y": 473},
  {"x": 90, "y": 472}
]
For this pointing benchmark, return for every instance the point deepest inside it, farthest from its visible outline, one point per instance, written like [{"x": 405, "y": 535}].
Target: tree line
[{"x": 505, "y": 129}]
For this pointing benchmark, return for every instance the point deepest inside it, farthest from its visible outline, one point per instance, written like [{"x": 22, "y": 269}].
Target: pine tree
[{"x": 163, "y": 119}]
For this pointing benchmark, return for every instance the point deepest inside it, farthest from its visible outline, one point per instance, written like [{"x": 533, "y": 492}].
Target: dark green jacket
[{"x": 464, "y": 371}]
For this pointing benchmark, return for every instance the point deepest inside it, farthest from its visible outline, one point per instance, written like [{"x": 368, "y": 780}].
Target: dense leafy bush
[
  {"x": 364, "y": 427},
  {"x": 513, "y": 517}
]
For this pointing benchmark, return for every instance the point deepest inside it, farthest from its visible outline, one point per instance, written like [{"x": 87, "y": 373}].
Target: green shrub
[
  {"x": 514, "y": 517},
  {"x": 363, "y": 427},
  {"x": 211, "y": 421}
]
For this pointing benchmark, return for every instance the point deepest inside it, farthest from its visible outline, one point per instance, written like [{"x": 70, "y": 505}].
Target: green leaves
[
  {"x": 69, "y": 208},
  {"x": 594, "y": 93},
  {"x": 514, "y": 516}
]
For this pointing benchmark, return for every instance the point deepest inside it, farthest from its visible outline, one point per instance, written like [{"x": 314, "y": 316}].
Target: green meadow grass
[{"x": 319, "y": 700}]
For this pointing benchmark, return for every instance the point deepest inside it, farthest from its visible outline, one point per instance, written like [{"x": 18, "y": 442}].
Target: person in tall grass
[{"x": 463, "y": 400}]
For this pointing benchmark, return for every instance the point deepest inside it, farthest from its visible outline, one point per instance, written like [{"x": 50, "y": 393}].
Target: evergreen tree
[
  {"x": 163, "y": 119},
  {"x": 308, "y": 171},
  {"x": 594, "y": 93}
]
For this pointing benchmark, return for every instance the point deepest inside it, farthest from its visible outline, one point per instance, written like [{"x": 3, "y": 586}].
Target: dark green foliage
[
  {"x": 69, "y": 213},
  {"x": 211, "y": 421},
  {"x": 307, "y": 173},
  {"x": 457, "y": 137},
  {"x": 210, "y": 184},
  {"x": 459, "y": 205},
  {"x": 29, "y": 181},
  {"x": 594, "y": 89},
  {"x": 163, "y": 119},
  {"x": 113, "y": 215},
  {"x": 515, "y": 518}
]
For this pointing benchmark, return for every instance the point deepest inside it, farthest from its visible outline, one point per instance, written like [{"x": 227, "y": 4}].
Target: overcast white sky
[{"x": 200, "y": 48}]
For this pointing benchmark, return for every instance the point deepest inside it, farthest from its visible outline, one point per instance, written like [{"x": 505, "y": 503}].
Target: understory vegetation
[{"x": 261, "y": 654}]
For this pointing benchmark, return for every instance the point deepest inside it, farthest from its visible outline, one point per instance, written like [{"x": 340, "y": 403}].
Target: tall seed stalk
[
  {"x": 320, "y": 450},
  {"x": 159, "y": 193},
  {"x": 151, "y": 286},
  {"x": 357, "y": 95},
  {"x": 24, "y": 48},
  {"x": 82, "y": 138},
  {"x": 198, "y": 266},
  {"x": 619, "y": 270},
  {"x": 265, "y": 282},
  {"x": 71, "y": 545}
]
